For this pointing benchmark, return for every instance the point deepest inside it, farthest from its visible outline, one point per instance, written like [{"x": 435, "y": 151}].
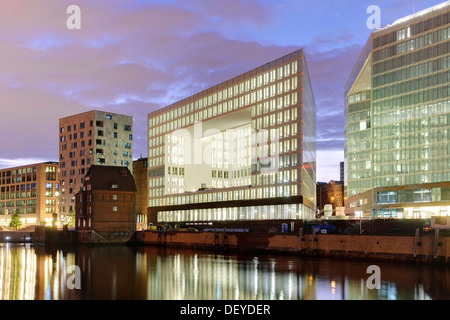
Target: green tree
[
  {"x": 70, "y": 219},
  {"x": 15, "y": 222}
]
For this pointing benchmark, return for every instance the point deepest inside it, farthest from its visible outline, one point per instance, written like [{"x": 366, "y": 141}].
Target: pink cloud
[{"x": 135, "y": 59}]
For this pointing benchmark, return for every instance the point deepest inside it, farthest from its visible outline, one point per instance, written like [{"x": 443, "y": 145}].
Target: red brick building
[
  {"x": 330, "y": 193},
  {"x": 140, "y": 177},
  {"x": 105, "y": 209}
]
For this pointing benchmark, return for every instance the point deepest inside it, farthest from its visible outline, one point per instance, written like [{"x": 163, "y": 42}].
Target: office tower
[
  {"x": 244, "y": 149},
  {"x": 91, "y": 138},
  {"x": 32, "y": 191},
  {"x": 397, "y": 114},
  {"x": 341, "y": 171}
]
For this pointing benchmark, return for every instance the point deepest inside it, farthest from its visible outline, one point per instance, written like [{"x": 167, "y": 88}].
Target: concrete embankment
[
  {"x": 39, "y": 235},
  {"x": 428, "y": 248},
  {"x": 16, "y": 236}
]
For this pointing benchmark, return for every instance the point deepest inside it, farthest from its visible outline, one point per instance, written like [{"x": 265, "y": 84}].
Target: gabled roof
[{"x": 110, "y": 178}]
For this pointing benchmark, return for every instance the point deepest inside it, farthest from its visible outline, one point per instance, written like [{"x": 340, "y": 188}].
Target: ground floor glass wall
[
  {"x": 267, "y": 212},
  {"x": 425, "y": 212}
]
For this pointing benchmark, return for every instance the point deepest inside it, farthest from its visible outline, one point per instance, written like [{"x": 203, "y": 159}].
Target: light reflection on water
[{"x": 147, "y": 273}]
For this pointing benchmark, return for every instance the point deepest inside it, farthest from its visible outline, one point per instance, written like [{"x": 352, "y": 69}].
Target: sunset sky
[{"x": 136, "y": 56}]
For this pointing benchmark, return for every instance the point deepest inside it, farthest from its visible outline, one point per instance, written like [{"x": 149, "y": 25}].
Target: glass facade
[
  {"x": 269, "y": 212},
  {"x": 414, "y": 195},
  {"x": 357, "y": 152},
  {"x": 251, "y": 137},
  {"x": 420, "y": 201},
  {"x": 398, "y": 106}
]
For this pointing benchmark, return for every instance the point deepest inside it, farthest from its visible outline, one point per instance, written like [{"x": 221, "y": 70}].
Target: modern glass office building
[
  {"x": 398, "y": 106},
  {"x": 419, "y": 201},
  {"x": 244, "y": 149}
]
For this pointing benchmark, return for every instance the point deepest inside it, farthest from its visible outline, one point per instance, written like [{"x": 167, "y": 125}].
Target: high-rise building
[
  {"x": 32, "y": 191},
  {"x": 398, "y": 112},
  {"x": 244, "y": 149},
  {"x": 91, "y": 138}
]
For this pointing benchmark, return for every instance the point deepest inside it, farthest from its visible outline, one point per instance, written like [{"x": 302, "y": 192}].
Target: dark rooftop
[{"x": 110, "y": 178}]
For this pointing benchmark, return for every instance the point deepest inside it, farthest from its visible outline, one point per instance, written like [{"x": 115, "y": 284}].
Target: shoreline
[
  {"x": 424, "y": 248},
  {"x": 416, "y": 249}
]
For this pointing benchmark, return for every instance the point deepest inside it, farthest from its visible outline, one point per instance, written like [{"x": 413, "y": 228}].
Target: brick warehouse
[{"x": 105, "y": 207}]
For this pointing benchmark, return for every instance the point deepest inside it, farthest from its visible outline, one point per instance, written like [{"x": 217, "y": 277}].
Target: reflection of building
[
  {"x": 398, "y": 107},
  {"x": 91, "y": 138},
  {"x": 140, "y": 177},
  {"x": 330, "y": 193},
  {"x": 198, "y": 277},
  {"x": 244, "y": 149},
  {"x": 37, "y": 273},
  {"x": 32, "y": 191},
  {"x": 105, "y": 208}
]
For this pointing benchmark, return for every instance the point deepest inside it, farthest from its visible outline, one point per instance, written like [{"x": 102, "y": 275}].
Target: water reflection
[{"x": 119, "y": 272}]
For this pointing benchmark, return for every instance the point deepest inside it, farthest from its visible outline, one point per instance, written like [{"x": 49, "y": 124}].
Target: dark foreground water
[{"x": 30, "y": 272}]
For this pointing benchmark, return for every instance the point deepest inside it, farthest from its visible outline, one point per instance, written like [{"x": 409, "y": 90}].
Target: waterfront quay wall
[
  {"x": 16, "y": 236},
  {"x": 419, "y": 248},
  {"x": 49, "y": 236}
]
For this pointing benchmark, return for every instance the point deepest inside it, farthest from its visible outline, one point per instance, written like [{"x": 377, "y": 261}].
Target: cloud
[
  {"x": 131, "y": 61},
  {"x": 134, "y": 57},
  {"x": 11, "y": 163},
  {"x": 329, "y": 163},
  {"x": 329, "y": 70},
  {"x": 234, "y": 14},
  {"x": 29, "y": 123}
]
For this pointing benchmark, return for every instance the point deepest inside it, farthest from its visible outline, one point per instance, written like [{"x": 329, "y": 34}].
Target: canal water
[{"x": 30, "y": 272}]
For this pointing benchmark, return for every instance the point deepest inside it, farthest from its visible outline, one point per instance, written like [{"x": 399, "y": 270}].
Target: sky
[{"x": 136, "y": 56}]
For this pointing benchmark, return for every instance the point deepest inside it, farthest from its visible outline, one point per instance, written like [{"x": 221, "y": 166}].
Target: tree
[
  {"x": 70, "y": 219},
  {"x": 15, "y": 222}
]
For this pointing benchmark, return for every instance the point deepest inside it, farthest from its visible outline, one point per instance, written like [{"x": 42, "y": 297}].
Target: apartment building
[
  {"x": 91, "y": 138},
  {"x": 31, "y": 191}
]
